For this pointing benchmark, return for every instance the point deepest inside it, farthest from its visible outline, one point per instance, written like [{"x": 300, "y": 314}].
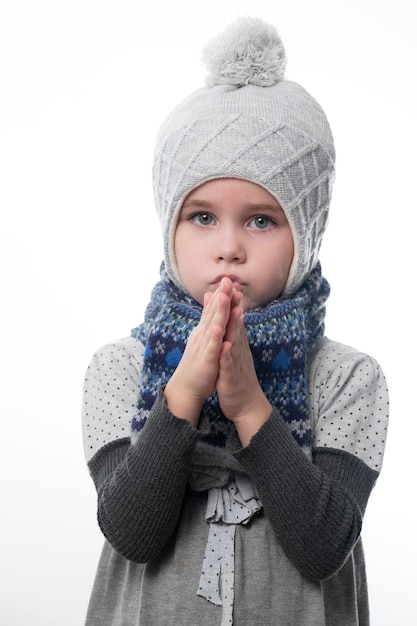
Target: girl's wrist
[
  {"x": 248, "y": 424},
  {"x": 182, "y": 405}
]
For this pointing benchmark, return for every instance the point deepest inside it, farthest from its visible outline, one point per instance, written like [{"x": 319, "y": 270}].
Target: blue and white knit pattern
[{"x": 281, "y": 336}]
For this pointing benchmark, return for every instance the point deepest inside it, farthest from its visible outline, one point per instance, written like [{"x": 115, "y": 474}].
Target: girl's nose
[{"x": 230, "y": 248}]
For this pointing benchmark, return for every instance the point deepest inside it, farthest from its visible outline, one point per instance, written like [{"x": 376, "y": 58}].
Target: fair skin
[{"x": 234, "y": 250}]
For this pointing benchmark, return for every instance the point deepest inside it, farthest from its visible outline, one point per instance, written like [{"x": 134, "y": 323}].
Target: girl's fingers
[
  {"x": 207, "y": 297},
  {"x": 236, "y": 298},
  {"x": 234, "y": 326},
  {"x": 217, "y": 306}
]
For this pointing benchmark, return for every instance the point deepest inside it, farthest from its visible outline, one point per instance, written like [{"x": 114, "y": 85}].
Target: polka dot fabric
[
  {"x": 235, "y": 503},
  {"x": 111, "y": 388},
  {"x": 348, "y": 403}
]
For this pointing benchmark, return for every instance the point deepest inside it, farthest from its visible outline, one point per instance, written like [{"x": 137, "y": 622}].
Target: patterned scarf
[{"x": 281, "y": 335}]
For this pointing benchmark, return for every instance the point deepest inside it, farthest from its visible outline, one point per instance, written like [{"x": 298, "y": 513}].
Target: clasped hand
[{"x": 217, "y": 357}]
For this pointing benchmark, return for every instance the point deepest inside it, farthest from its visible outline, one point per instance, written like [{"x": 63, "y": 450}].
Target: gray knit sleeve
[
  {"x": 316, "y": 507},
  {"x": 140, "y": 486}
]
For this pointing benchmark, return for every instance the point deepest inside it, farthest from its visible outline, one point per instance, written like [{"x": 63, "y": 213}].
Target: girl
[{"x": 233, "y": 446}]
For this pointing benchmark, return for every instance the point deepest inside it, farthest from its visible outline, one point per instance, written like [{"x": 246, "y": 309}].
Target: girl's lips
[{"x": 238, "y": 284}]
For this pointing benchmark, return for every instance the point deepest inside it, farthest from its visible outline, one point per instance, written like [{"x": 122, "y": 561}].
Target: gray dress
[{"x": 298, "y": 557}]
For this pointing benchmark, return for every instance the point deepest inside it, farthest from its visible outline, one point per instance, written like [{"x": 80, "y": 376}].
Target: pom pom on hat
[{"x": 249, "y": 51}]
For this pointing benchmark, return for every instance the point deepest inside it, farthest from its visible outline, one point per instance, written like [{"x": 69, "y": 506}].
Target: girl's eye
[
  {"x": 203, "y": 219},
  {"x": 261, "y": 222}
]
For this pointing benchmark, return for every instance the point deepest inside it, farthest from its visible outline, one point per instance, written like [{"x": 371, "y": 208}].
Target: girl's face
[{"x": 234, "y": 228}]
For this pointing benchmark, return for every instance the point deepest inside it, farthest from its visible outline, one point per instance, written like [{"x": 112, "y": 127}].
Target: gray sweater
[{"x": 298, "y": 561}]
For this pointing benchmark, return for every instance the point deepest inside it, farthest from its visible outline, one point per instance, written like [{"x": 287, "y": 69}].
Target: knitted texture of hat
[{"x": 250, "y": 123}]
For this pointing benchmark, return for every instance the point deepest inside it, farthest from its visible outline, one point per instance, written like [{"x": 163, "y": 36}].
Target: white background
[{"x": 84, "y": 85}]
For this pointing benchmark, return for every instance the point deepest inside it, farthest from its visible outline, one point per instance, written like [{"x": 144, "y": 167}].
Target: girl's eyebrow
[
  {"x": 274, "y": 208},
  {"x": 198, "y": 204},
  {"x": 250, "y": 207}
]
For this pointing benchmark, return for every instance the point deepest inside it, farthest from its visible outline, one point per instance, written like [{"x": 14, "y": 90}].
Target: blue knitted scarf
[{"x": 280, "y": 334}]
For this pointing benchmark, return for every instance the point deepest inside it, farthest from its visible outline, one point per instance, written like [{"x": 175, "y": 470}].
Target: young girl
[{"x": 233, "y": 446}]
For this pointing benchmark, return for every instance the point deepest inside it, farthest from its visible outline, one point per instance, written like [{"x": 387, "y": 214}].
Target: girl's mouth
[{"x": 238, "y": 284}]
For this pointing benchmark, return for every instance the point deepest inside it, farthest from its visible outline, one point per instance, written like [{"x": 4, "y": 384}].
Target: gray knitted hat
[{"x": 249, "y": 122}]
